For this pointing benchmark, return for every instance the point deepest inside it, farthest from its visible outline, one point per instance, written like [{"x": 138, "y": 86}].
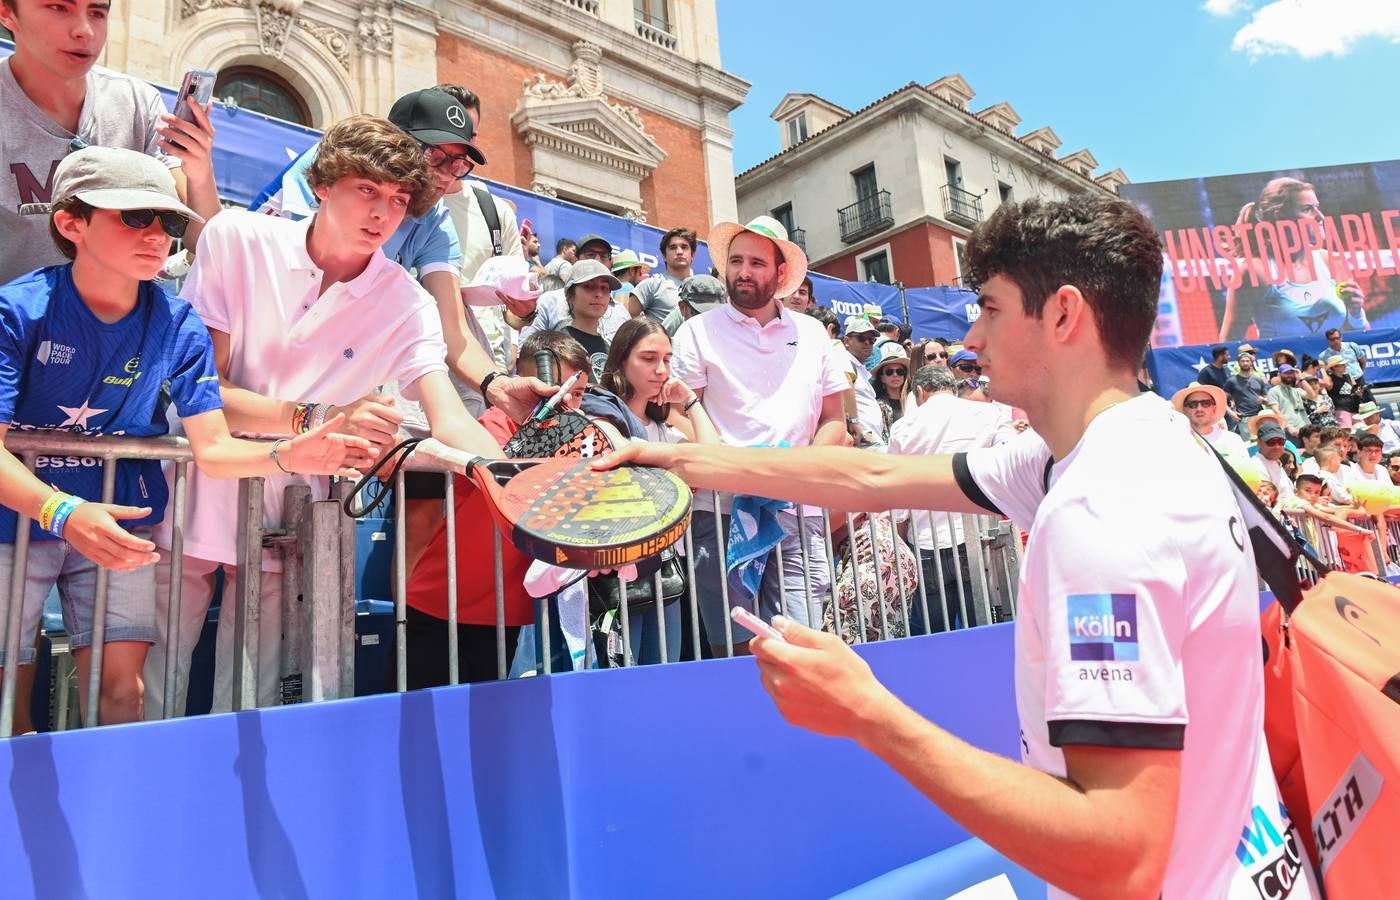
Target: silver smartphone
[{"x": 199, "y": 84}]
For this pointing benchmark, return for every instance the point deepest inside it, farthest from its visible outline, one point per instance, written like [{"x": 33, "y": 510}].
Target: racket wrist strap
[{"x": 486, "y": 384}]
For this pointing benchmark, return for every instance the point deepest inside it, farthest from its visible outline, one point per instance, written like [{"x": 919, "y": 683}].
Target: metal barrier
[
  {"x": 870, "y": 577},
  {"x": 1383, "y": 547}
]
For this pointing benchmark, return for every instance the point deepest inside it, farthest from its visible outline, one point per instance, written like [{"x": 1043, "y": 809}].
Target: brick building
[
  {"x": 891, "y": 192},
  {"x": 620, "y": 105}
]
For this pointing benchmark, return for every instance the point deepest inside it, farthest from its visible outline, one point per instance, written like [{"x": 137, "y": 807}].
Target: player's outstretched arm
[
  {"x": 834, "y": 477},
  {"x": 449, "y": 420}
]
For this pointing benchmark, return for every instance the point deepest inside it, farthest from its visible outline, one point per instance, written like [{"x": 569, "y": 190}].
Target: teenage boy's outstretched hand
[
  {"x": 93, "y": 531},
  {"x": 373, "y": 417},
  {"x": 322, "y": 451}
]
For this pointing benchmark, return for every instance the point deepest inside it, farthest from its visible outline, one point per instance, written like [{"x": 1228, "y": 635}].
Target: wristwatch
[{"x": 486, "y": 384}]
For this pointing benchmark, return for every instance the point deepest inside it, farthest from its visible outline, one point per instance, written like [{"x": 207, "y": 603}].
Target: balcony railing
[
  {"x": 588, "y": 6},
  {"x": 799, "y": 237},
  {"x": 961, "y": 207},
  {"x": 648, "y": 32},
  {"x": 865, "y": 217}
]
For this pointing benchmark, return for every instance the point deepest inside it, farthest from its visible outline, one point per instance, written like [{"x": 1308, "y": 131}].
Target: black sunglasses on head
[{"x": 172, "y": 223}]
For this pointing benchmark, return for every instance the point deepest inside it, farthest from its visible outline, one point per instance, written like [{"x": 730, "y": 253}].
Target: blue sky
[{"x": 1162, "y": 88}]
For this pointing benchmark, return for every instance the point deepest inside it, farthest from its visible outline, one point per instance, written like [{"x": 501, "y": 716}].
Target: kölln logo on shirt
[{"x": 1102, "y": 626}]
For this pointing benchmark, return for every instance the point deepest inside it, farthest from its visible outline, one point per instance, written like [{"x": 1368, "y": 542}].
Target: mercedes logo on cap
[{"x": 457, "y": 116}]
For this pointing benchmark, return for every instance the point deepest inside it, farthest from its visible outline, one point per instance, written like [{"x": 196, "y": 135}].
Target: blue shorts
[{"x": 131, "y": 596}]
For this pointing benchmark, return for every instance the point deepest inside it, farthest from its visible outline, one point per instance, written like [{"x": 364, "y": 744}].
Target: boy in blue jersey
[{"x": 95, "y": 347}]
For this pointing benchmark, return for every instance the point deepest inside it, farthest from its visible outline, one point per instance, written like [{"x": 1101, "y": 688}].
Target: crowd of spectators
[{"x": 333, "y": 317}]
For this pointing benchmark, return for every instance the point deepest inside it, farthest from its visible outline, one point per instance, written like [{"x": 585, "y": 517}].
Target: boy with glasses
[{"x": 95, "y": 347}]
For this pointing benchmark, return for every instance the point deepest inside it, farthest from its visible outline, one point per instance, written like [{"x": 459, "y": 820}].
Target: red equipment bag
[{"x": 1332, "y": 708}]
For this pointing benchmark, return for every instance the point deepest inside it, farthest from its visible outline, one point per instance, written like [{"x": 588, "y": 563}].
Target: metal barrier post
[
  {"x": 879, "y": 605},
  {"x": 248, "y": 578},
  {"x": 938, "y": 571},
  {"x": 831, "y": 565},
  {"x": 977, "y": 567},
  {"x": 622, "y": 611},
  {"x": 99, "y": 612},
  {"x": 919, "y": 569},
  {"x": 296, "y": 498},
  {"x": 692, "y": 595},
  {"x": 721, "y": 558},
  {"x": 321, "y": 565},
  {"x": 454, "y": 657},
  {"x": 812, "y": 617},
  {"x": 499, "y": 562},
  {"x": 177, "y": 568},
  {"x": 349, "y": 588},
  {"x": 899, "y": 576},
  {"x": 14, "y": 620},
  {"x": 855, "y": 579},
  {"x": 656, "y": 591},
  {"x": 400, "y": 585}
]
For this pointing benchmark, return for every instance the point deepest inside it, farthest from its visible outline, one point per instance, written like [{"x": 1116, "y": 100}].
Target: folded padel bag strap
[{"x": 1276, "y": 552}]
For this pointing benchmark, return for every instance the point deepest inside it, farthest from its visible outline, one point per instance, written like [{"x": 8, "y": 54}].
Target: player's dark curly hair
[{"x": 1103, "y": 246}]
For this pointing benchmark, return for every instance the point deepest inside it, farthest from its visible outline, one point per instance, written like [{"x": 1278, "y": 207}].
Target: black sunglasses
[
  {"x": 866, "y": 338},
  {"x": 172, "y": 223},
  {"x": 894, "y": 371},
  {"x": 968, "y": 367},
  {"x": 459, "y": 166},
  {"x": 1192, "y": 404}
]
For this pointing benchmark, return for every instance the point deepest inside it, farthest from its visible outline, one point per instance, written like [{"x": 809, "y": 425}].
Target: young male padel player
[
  {"x": 1138, "y": 601},
  {"x": 308, "y": 319},
  {"x": 54, "y": 99},
  {"x": 95, "y": 347}
]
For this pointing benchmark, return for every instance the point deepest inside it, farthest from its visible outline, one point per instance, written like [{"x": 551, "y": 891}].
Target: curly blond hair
[{"x": 374, "y": 148}]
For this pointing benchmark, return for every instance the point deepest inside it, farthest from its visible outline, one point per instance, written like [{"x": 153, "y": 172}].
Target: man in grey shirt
[
  {"x": 54, "y": 100},
  {"x": 1286, "y": 399},
  {"x": 657, "y": 296}
]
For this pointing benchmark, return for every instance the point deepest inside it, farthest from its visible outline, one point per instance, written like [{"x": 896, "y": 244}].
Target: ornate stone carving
[
  {"x": 191, "y": 7},
  {"x": 375, "y": 29},
  {"x": 545, "y": 190},
  {"x": 635, "y": 215},
  {"x": 585, "y": 82},
  {"x": 332, "y": 38},
  {"x": 275, "y": 23},
  {"x": 584, "y": 76}
]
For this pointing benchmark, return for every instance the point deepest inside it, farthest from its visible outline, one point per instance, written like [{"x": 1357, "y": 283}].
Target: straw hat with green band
[{"x": 723, "y": 234}]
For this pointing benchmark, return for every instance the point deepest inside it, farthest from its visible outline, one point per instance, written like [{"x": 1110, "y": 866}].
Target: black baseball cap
[{"x": 435, "y": 117}]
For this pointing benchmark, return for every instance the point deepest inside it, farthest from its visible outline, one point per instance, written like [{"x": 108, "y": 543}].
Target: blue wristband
[{"x": 60, "y": 516}]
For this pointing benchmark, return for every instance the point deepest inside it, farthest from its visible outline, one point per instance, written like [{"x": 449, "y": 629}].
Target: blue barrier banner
[{"x": 1172, "y": 368}]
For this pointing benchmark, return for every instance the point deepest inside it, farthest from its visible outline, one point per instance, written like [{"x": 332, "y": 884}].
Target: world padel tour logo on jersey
[{"x": 1102, "y": 626}]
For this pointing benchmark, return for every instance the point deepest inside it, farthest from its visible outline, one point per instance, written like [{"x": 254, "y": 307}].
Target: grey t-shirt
[
  {"x": 119, "y": 111},
  {"x": 658, "y": 294}
]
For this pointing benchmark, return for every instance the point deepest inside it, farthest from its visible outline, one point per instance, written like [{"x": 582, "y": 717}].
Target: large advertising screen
[{"x": 1276, "y": 254}]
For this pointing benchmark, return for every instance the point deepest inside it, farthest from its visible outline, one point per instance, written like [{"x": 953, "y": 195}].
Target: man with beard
[
  {"x": 1204, "y": 405},
  {"x": 768, "y": 377},
  {"x": 1286, "y": 399},
  {"x": 1248, "y": 391}
]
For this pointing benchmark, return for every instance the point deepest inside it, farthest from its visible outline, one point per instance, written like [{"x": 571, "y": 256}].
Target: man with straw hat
[
  {"x": 767, "y": 377},
  {"x": 1204, "y": 405}
]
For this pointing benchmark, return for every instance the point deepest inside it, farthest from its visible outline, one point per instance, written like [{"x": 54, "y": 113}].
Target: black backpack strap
[
  {"x": 1276, "y": 552},
  {"x": 487, "y": 204}
]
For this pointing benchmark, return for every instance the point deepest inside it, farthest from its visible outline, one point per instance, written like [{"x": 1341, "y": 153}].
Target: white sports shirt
[{"x": 1138, "y": 627}]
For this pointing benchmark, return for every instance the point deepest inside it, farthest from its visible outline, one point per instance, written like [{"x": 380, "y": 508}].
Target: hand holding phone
[{"x": 753, "y": 623}]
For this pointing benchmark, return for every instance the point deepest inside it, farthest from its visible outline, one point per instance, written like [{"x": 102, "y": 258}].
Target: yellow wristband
[{"x": 50, "y": 507}]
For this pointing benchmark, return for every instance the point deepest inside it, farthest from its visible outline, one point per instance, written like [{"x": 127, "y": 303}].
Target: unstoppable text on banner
[{"x": 1276, "y": 254}]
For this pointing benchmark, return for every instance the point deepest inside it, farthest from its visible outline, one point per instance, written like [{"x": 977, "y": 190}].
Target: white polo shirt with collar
[
  {"x": 764, "y": 384},
  {"x": 254, "y": 280}
]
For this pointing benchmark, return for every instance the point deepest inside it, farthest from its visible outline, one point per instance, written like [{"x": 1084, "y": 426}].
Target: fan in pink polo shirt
[
  {"x": 767, "y": 376},
  {"x": 307, "y": 319}
]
